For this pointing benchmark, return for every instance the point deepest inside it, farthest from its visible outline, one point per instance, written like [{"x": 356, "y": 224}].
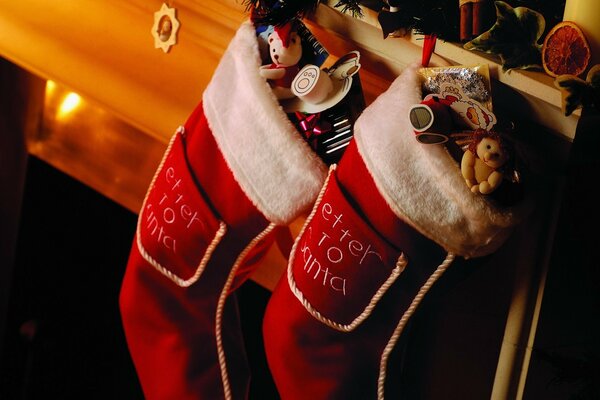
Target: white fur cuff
[
  {"x": 422, "y": 183},
  {"x": 271, "y": 162}
]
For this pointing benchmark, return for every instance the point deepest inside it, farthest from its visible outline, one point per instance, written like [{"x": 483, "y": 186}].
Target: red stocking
[
  {"x": 230, "y": 176},
  {"x": 390, "y": 219}
]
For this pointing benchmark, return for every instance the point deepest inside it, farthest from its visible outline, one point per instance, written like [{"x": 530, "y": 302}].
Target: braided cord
[
  {"x": 400, "y": 266},
  {"x": 221, "y": 306},
  {"x": 405, "y": 317}
]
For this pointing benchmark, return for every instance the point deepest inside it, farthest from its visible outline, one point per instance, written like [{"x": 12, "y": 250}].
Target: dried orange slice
[{"x": 565, "y": 50}]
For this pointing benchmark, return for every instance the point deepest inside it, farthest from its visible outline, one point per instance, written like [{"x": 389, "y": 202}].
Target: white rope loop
[
  {"x": 221, "y": 306},
  {"x": 405, "y": 317}
]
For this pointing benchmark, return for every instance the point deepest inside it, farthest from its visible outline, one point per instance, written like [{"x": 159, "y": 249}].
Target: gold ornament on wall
[{"x": 165, "y": 28}]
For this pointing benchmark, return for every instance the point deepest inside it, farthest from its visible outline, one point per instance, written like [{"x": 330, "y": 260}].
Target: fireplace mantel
[{"x": 104, "y": 51}]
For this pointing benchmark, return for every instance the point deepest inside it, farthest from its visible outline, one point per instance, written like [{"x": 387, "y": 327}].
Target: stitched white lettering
[
  {"x": 323, "y": 238},
  {"x": 346, "y": 232},
  {"x": 315, "y": 271},
  {"x": 165, "y": 197},
  {"x": 152, "y": 224},
  {"x": 335, "y": 243},
  {"x": 355, "y": 247},
  {"x": 334, "y": 255},
  {"x": 326, "y": 210},
  {"x": 186, "y": 214},
  {"x": 341, "y": 287},
  {"x": 369, "y": 252},
  {"x": 171, "y": 208},
  {"x": 338, "y": 219},
  {"x": 168, "y": 215}
]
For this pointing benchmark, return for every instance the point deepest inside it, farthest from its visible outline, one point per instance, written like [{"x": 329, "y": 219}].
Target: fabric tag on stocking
[
  {"x": 340, "y": 267},
  {"x": 177, "y": 230}
]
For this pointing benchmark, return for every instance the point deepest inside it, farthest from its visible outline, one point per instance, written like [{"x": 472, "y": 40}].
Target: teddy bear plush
[
  {"x": 481, "y": 162},
  {"x": 285, "y": 49}
]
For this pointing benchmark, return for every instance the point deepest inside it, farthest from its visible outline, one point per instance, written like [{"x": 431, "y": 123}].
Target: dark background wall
[{"x": 64, "y": 337}]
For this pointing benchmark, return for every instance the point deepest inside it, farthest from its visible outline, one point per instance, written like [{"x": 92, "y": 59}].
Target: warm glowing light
[
  {"x": 70, "y": 103},
  {"x": 50, "y": 87}
]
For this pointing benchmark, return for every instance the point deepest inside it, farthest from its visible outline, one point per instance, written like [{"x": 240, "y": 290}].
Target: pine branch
[
  {"x": 274, "y": 12},
  {"x": 352, "y": 6}
]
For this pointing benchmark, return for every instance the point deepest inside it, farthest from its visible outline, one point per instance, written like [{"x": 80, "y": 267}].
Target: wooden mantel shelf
[
  {"x": 104, "y": 51},
  {"x": 536, "y": 87}
]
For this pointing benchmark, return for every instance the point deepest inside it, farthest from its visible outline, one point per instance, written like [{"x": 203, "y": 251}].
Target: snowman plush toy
[{"x": 285, "y": 49}]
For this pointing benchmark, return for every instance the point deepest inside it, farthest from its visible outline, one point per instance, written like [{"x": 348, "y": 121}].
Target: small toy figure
[
  {"x": 314, "y": 85},
  {"x": 285, "y": 49},
  {"x": 432, "y": 121},
  {"x": 317, "y": 90},
  {"x": 481, "y": 162},
  {"x": 439, "y": 114}
]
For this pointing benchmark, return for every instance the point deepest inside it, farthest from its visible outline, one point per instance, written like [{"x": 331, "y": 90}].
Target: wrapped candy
[{"x": 474, "y": 81}]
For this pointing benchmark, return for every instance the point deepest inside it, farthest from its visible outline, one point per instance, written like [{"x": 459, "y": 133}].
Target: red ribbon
[
  {"x": 312, "y": 126},
  {"x": 428, "y": 49}
]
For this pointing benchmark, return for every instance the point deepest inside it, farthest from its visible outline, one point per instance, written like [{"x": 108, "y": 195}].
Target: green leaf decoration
[
  {"x": 578, "y": 93},
  {"x": 593, "y": 77},
  {"x": 574, "y": 90},
  {"x": 514, "y": 37}
]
